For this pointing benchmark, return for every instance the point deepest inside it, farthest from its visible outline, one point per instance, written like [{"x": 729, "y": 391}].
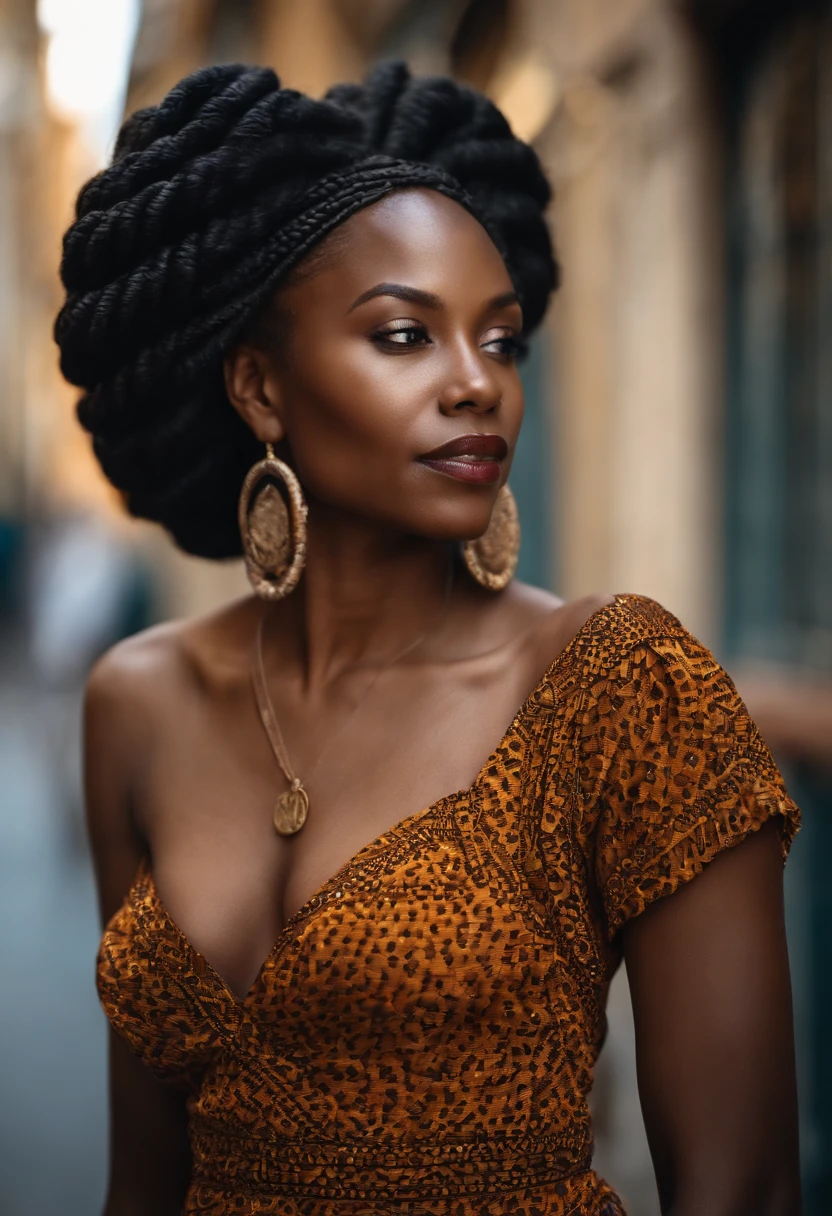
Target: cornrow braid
[{"x": 212, "y": 199}]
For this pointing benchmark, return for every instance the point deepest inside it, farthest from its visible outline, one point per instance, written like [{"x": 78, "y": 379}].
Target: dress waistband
[{"x": 371, "y": 1170}]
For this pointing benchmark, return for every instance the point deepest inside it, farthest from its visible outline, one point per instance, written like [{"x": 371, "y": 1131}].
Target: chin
[{"x": 456, "y": 525}]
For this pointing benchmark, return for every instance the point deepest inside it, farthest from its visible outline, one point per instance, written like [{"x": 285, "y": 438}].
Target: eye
[
  {"x": 507, "y": 344},
  {"x": 400, "y": 335}
]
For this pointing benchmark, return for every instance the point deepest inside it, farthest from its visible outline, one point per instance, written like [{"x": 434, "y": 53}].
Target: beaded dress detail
[{"x": 422, "y": 1036}]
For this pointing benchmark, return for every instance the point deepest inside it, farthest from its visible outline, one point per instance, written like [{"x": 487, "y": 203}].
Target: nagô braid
[{"x": 212, "y": 199}]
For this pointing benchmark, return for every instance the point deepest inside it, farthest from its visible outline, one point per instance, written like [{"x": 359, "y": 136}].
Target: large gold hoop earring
[
  {"x": 492, "y": 558},
  {"x": 273, "y": 527}
]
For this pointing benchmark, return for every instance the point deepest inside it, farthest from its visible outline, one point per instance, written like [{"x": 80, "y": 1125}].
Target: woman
[{"x": 317, "y": 306}]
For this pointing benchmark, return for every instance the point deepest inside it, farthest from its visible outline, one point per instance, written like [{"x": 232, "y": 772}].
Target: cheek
[
  {"x": 356, "y": 421},
  {"x": 513, "y": 408},
  {"x": 352, "y": 414}
]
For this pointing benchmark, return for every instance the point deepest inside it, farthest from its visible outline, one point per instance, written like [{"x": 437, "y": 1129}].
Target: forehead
[{"x": 414, "y": 236}]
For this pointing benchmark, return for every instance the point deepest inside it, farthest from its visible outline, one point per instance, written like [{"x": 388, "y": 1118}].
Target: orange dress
[{"x": 422, "y": 1036}]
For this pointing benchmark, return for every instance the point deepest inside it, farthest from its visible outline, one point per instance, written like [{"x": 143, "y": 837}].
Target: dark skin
[{"x": 178, "y": 765}]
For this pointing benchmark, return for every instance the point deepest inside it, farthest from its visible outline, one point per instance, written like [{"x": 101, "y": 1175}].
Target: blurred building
[{"x": 679, "y": 428}]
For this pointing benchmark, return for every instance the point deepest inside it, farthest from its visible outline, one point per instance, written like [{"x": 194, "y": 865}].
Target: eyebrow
[{"x": 414, "y": 295}]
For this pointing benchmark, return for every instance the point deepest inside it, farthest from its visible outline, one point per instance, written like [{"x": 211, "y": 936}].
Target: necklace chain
[{"x": 292, "y": 805}]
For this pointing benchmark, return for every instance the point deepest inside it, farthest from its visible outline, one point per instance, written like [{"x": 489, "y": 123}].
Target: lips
[
  {"x": 473, "y": 458},
  {"x": 476, "y": 446}
]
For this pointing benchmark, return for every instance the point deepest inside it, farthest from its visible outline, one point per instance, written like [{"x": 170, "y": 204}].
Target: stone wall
[{"x": 637, "y": 329}]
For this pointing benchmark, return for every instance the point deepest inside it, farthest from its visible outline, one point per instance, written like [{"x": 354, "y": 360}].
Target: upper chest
[
  {"x": 369, "y": 750},
  {"x": 209, "y": 789}
]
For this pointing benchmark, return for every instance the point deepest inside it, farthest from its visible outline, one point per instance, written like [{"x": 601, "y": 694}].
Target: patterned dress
[{"x": 422, "y": 1036}]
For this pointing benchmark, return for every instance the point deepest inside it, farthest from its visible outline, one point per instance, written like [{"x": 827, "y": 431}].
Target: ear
[{"x": 253, "y": 389}]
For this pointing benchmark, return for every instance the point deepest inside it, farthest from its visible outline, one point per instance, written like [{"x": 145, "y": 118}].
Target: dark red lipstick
[{"x": 476, "y": 458}]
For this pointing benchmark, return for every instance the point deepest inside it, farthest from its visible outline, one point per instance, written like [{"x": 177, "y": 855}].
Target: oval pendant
[{"x": 290, "y": 811}]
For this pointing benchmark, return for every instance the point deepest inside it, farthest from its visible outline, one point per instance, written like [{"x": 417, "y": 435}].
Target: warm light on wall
[
  {"x": 528, "y": 91},
  {"x": 89, "y": 47}
]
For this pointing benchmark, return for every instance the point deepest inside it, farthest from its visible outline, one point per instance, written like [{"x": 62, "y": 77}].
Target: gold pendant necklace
[
  {"x": 291, "y": 809},
  {"x": 292, "y": 805}
]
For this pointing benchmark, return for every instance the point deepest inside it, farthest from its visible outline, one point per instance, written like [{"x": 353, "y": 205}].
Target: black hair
[{"x": 211, "y": 200}]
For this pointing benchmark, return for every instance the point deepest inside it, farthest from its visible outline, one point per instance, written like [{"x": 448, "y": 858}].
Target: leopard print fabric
[{"x": 421, "y": 1038}]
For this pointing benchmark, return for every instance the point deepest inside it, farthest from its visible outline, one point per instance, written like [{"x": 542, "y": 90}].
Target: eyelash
[{"x": 512, "y": 347}]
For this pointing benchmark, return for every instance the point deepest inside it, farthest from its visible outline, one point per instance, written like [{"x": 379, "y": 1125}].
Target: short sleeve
[{"x": 681, "y": 773}]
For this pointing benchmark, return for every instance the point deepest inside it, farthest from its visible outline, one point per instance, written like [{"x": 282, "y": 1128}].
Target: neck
[{"x": 365, "y": 594}]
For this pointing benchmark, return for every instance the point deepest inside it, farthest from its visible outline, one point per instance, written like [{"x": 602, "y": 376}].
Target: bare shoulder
[
  {"x": 130, "y": 693},
  {"x": 139, "y": 671},
  {"x": 137, "y": 695},
  {"x": 162, "y": 664}
]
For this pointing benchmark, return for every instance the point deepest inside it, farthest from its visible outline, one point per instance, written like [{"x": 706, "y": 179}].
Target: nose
[{"x": 471, "y": 384}]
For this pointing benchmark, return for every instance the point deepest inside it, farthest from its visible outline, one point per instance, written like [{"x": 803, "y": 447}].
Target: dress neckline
[{"x": 146, "y": 877}]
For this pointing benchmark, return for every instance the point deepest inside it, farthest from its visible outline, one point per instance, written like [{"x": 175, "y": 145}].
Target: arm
[
  {"x": 709, "y": 976},
  {"x": 149, "y": 1157}
]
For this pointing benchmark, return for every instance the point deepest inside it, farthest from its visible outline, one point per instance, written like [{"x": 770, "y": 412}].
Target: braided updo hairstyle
[{"x": 213, "y": 197}]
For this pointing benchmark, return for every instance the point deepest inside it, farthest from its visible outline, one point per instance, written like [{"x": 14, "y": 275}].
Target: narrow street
[{"x": 52, "y": 1053}]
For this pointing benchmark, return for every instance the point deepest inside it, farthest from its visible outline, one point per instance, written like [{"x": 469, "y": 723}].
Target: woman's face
[{"x": 401, "y": 343}]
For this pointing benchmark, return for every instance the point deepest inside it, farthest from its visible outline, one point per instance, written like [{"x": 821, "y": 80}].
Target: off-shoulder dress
[{"x": 422, "y": 1036}]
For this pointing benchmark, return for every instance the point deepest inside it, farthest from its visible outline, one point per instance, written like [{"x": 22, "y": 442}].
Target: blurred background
[{"x": 678, "y": 442}]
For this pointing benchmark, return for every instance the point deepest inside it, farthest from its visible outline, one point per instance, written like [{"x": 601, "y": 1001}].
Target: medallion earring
[
  {"x": 272, "y": 517},
  {"x": 492, "y": 558}
]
